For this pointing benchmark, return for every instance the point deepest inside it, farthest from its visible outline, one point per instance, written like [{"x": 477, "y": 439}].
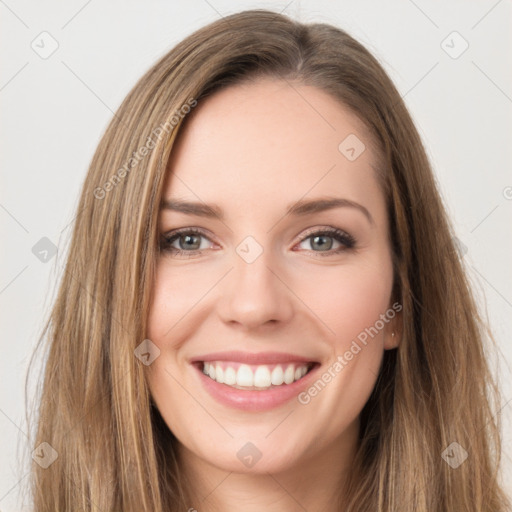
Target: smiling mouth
[{"x": 255, "y": 377}]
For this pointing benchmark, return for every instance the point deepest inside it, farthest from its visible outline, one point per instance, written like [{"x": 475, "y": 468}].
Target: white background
[{"x": 54, "y": 111}]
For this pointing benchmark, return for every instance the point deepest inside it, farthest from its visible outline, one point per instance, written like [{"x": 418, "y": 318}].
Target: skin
[{"x": 253, "y": 150}]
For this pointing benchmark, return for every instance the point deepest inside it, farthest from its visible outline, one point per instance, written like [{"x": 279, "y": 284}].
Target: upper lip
[{"x": 252, "y": 358}]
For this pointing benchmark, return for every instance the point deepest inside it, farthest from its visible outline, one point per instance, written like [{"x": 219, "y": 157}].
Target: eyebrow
[{"x": 299, "y": 208}]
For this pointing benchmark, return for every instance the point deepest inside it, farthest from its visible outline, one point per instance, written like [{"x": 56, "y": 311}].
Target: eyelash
[{"x": 348, "y": 241}]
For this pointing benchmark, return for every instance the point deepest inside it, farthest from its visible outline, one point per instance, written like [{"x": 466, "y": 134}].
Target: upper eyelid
[{"x": 197, "y": 231}]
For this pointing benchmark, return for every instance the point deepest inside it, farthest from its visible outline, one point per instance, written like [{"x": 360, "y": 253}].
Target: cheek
[
  {"x": 177, "y": 292},
  {"x": 352, "y": 302},
  {"x": 176, "y": 311},
  {"x": 172, "y": 298}
]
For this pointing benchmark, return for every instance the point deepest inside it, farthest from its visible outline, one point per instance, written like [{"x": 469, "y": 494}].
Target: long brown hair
[{"x": 114, "y": 450}]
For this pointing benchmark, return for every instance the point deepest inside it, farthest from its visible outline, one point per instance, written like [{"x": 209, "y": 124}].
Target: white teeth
[
  {"x": 244, "y": 376},
  {"x": 219, "y": 374},
  {"x": 289, "y": 374},
  {"x": 261, "y": 377},
  {"x": 277, "y": 376},
  {"x": 229, "y": 376}
]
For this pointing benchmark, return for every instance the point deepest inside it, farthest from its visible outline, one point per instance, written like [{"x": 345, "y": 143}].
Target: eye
[
  {"x": 188, "y": 242},
  {"x": 325, "y": 238}
]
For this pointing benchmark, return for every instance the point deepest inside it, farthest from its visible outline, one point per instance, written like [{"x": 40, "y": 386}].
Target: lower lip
[{"x": 253, "y": 400}]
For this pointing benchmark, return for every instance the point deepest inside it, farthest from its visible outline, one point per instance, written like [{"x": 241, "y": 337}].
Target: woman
[{"x": 254, "y": 371}]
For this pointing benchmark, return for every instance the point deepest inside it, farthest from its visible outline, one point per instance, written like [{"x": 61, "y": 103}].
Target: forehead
[{"x": 271, "y": 142}]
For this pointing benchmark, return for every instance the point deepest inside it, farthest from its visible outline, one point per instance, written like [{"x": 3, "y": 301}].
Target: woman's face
[{"x": 263, "y": 294}]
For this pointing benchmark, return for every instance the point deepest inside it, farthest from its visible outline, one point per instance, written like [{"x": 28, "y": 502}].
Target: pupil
[{"x": 322, "y": 245}]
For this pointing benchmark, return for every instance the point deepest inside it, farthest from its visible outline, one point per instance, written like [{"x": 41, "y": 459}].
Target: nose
[{"x": 255, "y": 294}]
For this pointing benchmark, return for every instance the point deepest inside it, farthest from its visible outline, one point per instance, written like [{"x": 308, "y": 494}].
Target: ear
[{"x": 394, "y": 328}]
